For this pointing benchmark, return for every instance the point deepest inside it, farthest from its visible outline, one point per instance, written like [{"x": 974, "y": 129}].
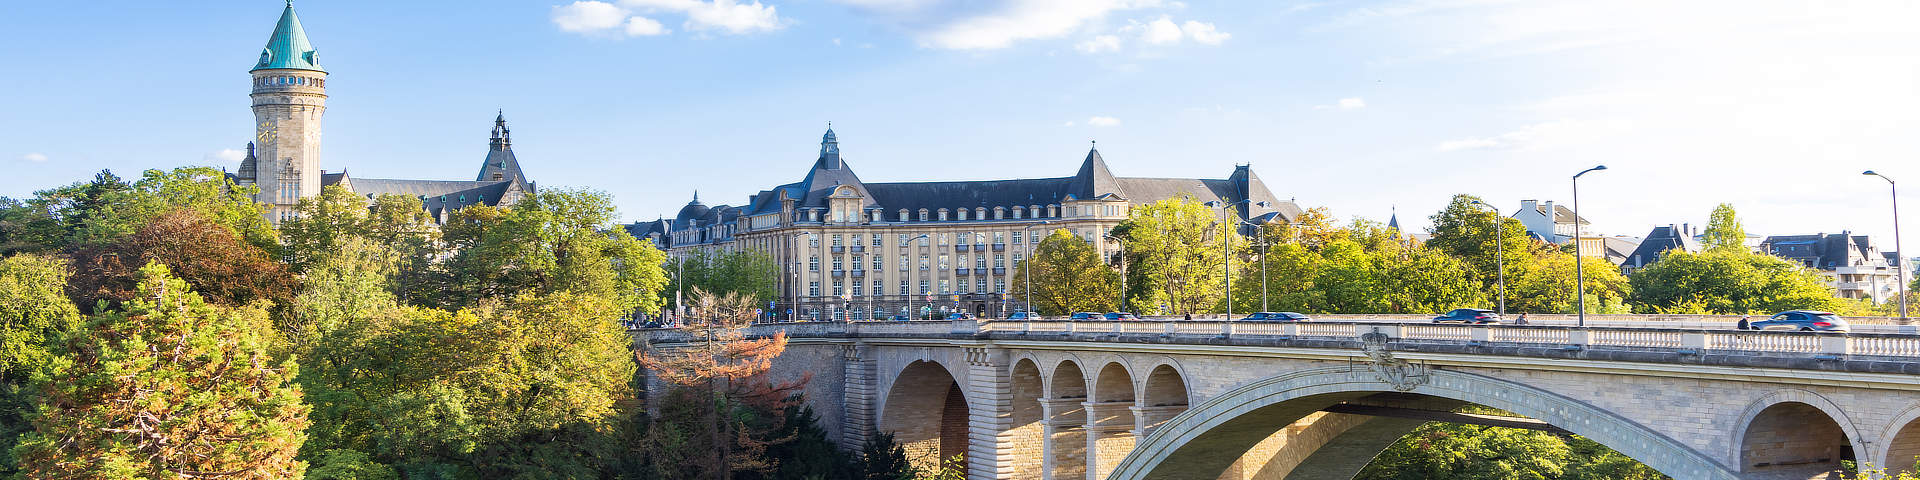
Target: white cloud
[
  {"x": 1204, "y": 33},
  {"x": 1098, "y": 44},
  {"x": 1352, "y": 103},
  {"x": 639, "y": 26},
  {"x": 1160, "y": 32},
  {"x": 1099, "y": 121},
  {"x": 726, "y": 16},
  {"x": 836, "y": 42},
  {"x": 35, "y": 157},
  {"x": 1025, "y": 20},
  {"x": 588, "y": 16},
  {"x": 225, "y": 155}
]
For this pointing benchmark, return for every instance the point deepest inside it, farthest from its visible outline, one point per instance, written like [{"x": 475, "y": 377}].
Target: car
[
  {"x": 650, "y": 324},
  {"x": 1276, "y": 317},
  {"x": 898, "y": 318},
  {"x": 1025, "y": 316},
  {"x": 1120, "y": 316},
  {"x": 1087, "y": 316},
  {"x": 1803, "y": 320},
  {"x": 959, "y": 316},
  {"x": 1468, "y": 315}
]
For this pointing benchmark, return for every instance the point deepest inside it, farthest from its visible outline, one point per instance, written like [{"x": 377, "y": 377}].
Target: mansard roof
[{"x": 288, "y": 47}]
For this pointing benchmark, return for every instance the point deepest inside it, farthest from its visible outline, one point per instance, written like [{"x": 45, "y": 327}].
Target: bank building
[{"x": 849, "y": 249}]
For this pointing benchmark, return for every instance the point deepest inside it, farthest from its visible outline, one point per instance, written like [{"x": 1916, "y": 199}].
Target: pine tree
[
  {"x": 883, "y": 459},
  {"x": 172, "y": 387}
]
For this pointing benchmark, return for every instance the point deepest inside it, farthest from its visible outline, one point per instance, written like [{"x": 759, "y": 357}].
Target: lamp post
[
  {"x": 1026, "y": 263},
  {"x": 1226, "y": 245},
  {"x": 1893, "y": 192},
  {"x": 1500, "y": 251},
  {"x": 1579, "y": 275},
  {"x": 793, "y": 308},
  {"x": 1122, "y": 301},
  {"x": 909, "y": 293}
]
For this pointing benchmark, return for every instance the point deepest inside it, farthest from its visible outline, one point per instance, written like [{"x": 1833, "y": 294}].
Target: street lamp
[
  {"x": 1894, "y": 192},
  {"x": 1579, "y": 275},
  {"x": 1122, "y": 302},
  {"x": 793, "y": 308},
  {"x": 1226, "y": 246},
  {"x": 1500, "y": 250},
  {"x": 909, "y": 293},
  {"x": 1026, "y": 264}
]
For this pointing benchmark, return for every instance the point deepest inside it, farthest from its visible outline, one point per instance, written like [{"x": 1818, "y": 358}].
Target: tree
[
  {"x": 1175, "y": 257},
  {"x": 1068, "y": 277},
  {"x": 1724, "y": 230},
  {"x": 102, "y": 211},
  {"x": 221, "y": 267},
  {"x": 721, "y": 408},
  {"x": 323, "y": 222},
  {"x": 748, "y": 272},
  {"x": 34, "y": 315},
  {"x": 881, "y": 458},
  {"x": 1466, "y": 230},
  {"x": 555, "y": 240},
  {"x": 1727, "y": 281},
  {"x": 172, "y": 387}
]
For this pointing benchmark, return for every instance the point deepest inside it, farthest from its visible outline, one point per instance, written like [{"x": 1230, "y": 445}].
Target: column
[
  {"x": 857, "y": 408},
  {"x": 1109, "y": 430},
  {"x": 990, "y": 412},
  {"x": 1147, "y": 419},
  {"x": 1065, "y": 443}
]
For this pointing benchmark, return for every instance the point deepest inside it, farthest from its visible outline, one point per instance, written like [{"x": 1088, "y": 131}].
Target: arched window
[{"x": 923, "y": 214}]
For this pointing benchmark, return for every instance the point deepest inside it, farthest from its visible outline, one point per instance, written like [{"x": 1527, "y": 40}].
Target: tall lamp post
[
  {"x": 909, "y": 293},
  {"x": 1026, "y": 264},
  {"x": 1894, "y": 192},
  {"x": 1579, "y": 275},
  {"x": 1500, "y": 251},
  {"x": 793, "y": 309},
  {"x": 1226, "y": 244}
]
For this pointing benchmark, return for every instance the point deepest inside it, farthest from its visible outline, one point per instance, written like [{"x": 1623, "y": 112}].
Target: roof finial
[
  {"x": 289, "y": 3},
  {"x": 696, "y": 196}
]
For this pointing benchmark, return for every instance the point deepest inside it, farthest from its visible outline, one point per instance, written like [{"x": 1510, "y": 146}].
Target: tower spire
[
  {"x": 288, "y": 47},
  {"x": 830, "y": 149},
  {"x": 502, "y": 137}
]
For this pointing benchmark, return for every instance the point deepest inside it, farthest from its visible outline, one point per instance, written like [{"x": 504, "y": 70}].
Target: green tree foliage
[
  {"x": 881, "y": 458},
  {"x": 1068, "y": 277},
  {"x": 1467, "y": 230},
  {"x": 1474, "y": 452},
  {"x": 34, "y": 316},
  {"x": 1540, "y": 278},
  {"x": 1175, "y": 257},
  {"x": 219, "y": 265},
  {"x": 172, "y": 387},
  {"x": 1360, "y": 268},
  {"x": 28, "y": 226},
  {"x": 1724, "y": 230},
  {"x": 721, "y": 411},
  {"x": 107, "y": 208},
  {"x": 1728, "y": 281},
  {"x": 552, "y": 241},
  {"x": 747, "y": 272}
]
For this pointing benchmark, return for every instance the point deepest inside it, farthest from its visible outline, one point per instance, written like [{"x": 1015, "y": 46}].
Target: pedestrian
[
  {"x": 1189, "y": 316},
  {"x": 1522, "y": 320},
  {"x": 1744, "y": 324}
]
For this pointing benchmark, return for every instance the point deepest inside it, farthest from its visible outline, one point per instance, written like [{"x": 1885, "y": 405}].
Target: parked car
[
  {"x": 898, "y": 318},
  {"x": 1276, "y": 317},
  {"x": 1025, "y": 316},
  {"x": 1803, "y": 320},
  {"x": 650, "y": 324},
  {"x": 1121, "y": 316},
  {"x": 959, "y": 316},
  {"x": 1087, "y": 316},
  {"x": 1468, "y": 315}
]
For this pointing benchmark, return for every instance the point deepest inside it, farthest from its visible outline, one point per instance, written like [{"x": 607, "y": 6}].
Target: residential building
[
  {"x": 283, "y": 161},
  {"x": 1555, "y": 224},
  {"x": 929, "y": 246},
  {"x": 1658, "y": 242},
  {"x": 1851, "y": 263}
]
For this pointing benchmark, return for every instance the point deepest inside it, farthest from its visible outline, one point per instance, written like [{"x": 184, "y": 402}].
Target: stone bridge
[{"x": 1317, "y": 400}]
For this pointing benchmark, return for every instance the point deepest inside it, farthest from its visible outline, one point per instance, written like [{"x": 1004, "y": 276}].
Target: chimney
[
  {"x": 1529, "y": 205},
  {"x": 1686, "y": 230}
]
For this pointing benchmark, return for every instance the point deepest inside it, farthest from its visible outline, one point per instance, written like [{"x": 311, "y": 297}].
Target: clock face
[{"x": 267, "y": 133}]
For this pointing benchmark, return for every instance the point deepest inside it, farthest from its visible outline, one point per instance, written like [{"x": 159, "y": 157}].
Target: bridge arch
[
  {"x": 1027, "y": 431},
  {"x": 1903, "y": 442},
  {"x": 1112, "y": 425},
  {"x": 1792, "y": 427},
  {"x": 1163, "y": 395},
  {"x": 926, "y": 410},
  {"x": 1237, "y": 420},
  {"x": 1066, "y": 414}
]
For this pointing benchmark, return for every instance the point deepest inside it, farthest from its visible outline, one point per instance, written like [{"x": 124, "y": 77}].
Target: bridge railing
[{"x": 1693, "y": 340}]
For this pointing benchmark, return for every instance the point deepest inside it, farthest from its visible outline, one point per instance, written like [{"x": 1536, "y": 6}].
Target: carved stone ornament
[{"x": 1403, "y": 376}]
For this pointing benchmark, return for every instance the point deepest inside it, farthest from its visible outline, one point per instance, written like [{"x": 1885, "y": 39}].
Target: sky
[{"x": 1366, "y": 108}]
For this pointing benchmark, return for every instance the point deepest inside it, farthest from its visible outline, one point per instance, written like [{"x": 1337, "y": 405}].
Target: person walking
[{"x": 1522, "y": 320}]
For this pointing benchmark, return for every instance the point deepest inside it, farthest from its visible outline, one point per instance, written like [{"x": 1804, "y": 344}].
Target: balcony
[
  {"x": 859, "y": 273},
  {"x": 839, "y": 273},
  {"x": 960, "y": 271},
  {"x": 859, "y": 249},
  {"x": 979, "y": 247},
  {"x": 997, "y": 271},
  {"x": 999, "y": 247},
  {"x": 839, "y": 249},
  {"x": 960, "y": 247}
]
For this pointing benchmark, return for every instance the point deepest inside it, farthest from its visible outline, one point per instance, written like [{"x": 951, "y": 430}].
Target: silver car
[{"x": 1803, "y": 320}]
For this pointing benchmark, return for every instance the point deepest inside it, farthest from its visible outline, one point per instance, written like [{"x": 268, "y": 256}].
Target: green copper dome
[{"x": 289, "y": 47}]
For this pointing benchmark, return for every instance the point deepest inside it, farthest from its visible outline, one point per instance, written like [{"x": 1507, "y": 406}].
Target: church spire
[
  {"x": 502, "y": 138},
  {"x": 830, "y": 149}
]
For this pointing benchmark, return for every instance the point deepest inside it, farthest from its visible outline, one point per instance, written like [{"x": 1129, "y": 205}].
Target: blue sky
[{"x": 1357, "y": 106}]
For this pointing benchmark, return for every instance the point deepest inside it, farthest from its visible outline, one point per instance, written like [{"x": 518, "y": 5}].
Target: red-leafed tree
[
  {"x": 721, "y": 408},
  {"x": 220, "y": 265}
]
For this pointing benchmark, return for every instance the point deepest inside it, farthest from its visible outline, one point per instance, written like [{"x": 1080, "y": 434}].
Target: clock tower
[{"x": 289, "y": 96}]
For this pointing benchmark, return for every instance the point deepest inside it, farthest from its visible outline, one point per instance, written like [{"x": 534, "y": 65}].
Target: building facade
[
  {"x": 1851, "y": 263},
  {"x": 283, "y": 160},
  {"x": 854, "y": 249}
]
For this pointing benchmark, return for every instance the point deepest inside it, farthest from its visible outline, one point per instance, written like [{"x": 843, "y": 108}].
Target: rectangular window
[
  {"x": 903, "y": 263},
  {"x": 813, "y": 241},
  {"x": 903, "y": 240},
  {"x": 999, "y": 237},
  {"x": 923, "y": 287},
  {"x": 813, "y": 289},
  {"x": 838, "y": 289},
  {"x": 946, "y": 238},
  {"x": 1000, "y": 285},
  {"x": 879, "y": 288},
  {"x": 946, "y": 286},
  {"x": 1016, "y": 237},
  {"x": 856, "y": 289},
  {"x": 837, "y": 241},
  {"x": 836, "y": 263},
  {"x": 903, "y": 287},
  {"x": 980, "y": 284},
  {"x": 879, "y": 263},
  {"x": 962, "y": 261},
  {"x": 999, "y": 260},
  {"x": 979, "y": 261},
  {"x": 923, "y": 262},
  {"x": 963, "y": 287},
  {"x": 813, "y": 264},
  {"x": 943, "y": 262},
  {"x": 876, "y": 239},
  {"x": 923, "y": 241}
]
